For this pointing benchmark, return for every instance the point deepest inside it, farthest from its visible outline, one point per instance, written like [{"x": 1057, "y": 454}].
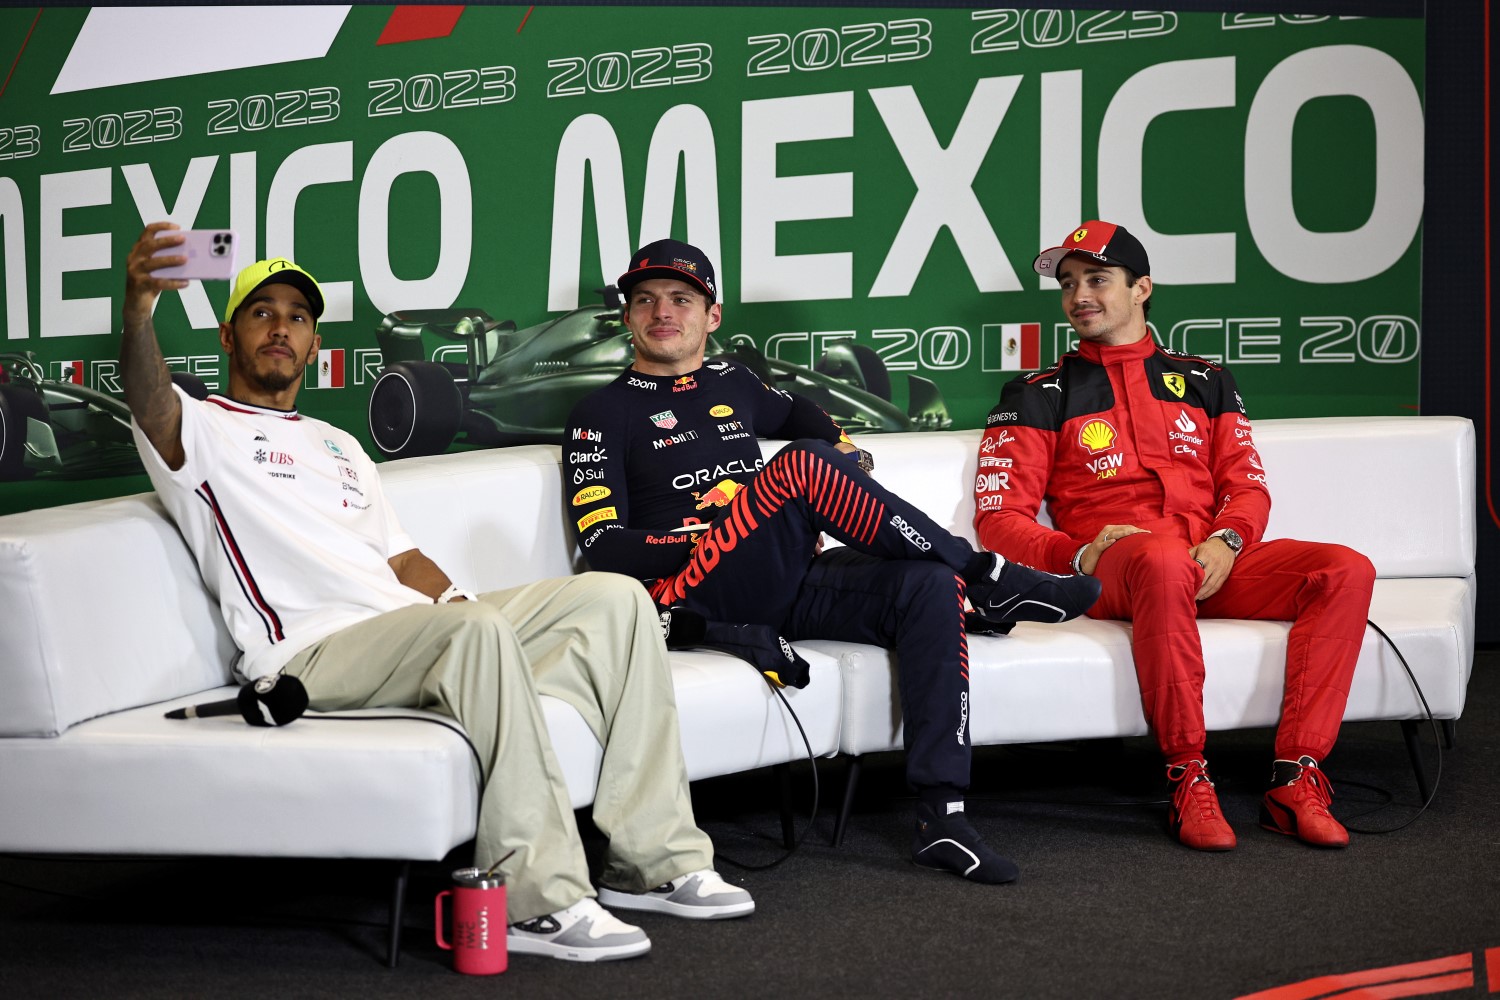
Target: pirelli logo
[{"x": 602, "y": 514}]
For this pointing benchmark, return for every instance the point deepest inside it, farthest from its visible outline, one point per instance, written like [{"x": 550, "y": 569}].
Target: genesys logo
[
  {"x": 590, "y": 494},
  {"x": 594, "y": 517}
]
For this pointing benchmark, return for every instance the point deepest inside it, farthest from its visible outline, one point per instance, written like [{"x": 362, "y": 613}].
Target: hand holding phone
[{"x": 209, "y": 253}]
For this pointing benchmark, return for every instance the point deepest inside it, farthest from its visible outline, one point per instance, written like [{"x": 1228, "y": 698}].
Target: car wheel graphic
[
  {"x": 17, "y": 402},
  {"x": 415, "y": 409},
  {"x": 858, "y": 365}
]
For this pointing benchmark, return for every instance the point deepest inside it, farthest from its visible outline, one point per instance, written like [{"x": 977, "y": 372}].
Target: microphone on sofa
[{"x": 269, "y": 701}]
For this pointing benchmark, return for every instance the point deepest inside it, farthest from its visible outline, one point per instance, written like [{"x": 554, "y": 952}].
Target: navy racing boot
[{"x": 1010, "y": 592}]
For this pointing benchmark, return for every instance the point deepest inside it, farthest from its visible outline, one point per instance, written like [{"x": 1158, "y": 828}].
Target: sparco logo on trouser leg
[
  {"x": 911, "y": 534},
  {"x": 963, "y": 716}
]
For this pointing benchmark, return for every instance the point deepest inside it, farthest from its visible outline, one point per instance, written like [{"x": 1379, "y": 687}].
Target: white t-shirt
[{"x": 288, "y": 523}]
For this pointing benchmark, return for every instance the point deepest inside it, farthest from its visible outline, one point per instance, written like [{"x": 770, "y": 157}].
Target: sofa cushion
[
  {"x": 132, "y": 782},
  {"x": 1077, "y": 680},
  {"x": 104, "y": 610},
  {"x": 491, "y": 519},
  {"x": 1398, "y": 489}
]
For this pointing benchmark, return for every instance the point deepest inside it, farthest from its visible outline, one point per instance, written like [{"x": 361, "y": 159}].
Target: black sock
[
  {"x": 1284, "y": 772},
  {"x": 937, "y": 798},
  {"x": 980, "y": 566}
]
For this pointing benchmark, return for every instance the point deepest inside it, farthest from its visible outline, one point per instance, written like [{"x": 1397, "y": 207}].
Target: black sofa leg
[
  {"x": 849, "y": 785},
  {"x": 1411, "y": 731},
  {"x": 398, "y": 909},
  {"x": 784, "y": 790},
  {"x": 1450, "y": 733}
]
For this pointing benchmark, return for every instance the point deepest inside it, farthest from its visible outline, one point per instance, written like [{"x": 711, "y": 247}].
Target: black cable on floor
[
  {"x": 811, "y": 759},
  {"x": 1437, "y": 739}
]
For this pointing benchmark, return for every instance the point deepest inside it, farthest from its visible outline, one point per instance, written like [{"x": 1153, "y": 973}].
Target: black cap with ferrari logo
[{"x": 1103, "y": 241}]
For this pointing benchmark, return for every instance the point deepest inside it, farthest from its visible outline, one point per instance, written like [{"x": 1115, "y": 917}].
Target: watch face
[{"x": 1233, "y": 540}]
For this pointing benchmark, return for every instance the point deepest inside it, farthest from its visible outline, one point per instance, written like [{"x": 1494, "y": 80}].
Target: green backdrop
[{"x": 879, "y": 174}]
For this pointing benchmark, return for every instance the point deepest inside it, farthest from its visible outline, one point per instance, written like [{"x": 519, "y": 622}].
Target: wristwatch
[
  {"x": 866, "y": 461},
  {"x": 1231, "y": 538},
  {"x": 453, "y": 593}
]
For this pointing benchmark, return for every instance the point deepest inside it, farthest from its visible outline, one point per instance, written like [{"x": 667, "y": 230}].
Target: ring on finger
[{"x": 1200, "y": 562}]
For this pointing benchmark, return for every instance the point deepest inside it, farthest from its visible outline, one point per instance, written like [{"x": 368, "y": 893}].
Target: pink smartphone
[{"x": 209, "y": 253}]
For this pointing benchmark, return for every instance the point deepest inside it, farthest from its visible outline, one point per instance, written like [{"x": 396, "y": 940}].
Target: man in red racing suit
[{"x": 1146, "y": 460}]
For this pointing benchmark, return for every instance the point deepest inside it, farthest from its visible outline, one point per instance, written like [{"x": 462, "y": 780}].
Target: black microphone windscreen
[{"x": 283, "y": 700}]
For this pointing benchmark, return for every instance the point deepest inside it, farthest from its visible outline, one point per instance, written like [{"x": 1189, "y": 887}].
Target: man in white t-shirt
[{"x": 316, "y": 579}]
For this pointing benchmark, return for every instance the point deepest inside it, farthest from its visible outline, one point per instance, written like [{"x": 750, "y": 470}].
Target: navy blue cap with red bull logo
[
  {"x": 670, "y": 259},
  {"x": 1103, "y": 241}
]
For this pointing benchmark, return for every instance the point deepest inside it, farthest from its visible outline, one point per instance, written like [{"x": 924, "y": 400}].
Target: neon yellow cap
[{"x": 277, "y": 270}]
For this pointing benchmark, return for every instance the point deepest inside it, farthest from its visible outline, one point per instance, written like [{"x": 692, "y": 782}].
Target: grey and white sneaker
[
  {"x": 699, "y": 895},
  {"x": 584, "y": 932}
]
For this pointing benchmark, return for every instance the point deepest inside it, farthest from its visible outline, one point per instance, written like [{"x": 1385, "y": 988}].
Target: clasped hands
[{"x": 1213, "y": 554}]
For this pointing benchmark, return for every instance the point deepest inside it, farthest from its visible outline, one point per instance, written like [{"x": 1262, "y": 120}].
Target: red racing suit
[{"x": 1135, "y": 434}]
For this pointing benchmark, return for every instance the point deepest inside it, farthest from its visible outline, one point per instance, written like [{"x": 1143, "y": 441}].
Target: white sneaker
[
  {"x": 584, "y": 932},
  {"x": 699, "y": 895}
]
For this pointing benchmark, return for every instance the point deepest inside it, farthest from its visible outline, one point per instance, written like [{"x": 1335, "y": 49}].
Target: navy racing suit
[{"x": 650, "y": 460}]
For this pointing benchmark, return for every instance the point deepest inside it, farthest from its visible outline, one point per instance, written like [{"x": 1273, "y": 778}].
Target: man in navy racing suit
[
  {"x": 667, "y": 484},
  {"x": 1147, "y": 463}
]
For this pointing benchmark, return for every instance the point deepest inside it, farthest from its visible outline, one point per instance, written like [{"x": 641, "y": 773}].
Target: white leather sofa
[
  {"x": 1398, "y": 489},
  {"x": 107, "y": 626}
]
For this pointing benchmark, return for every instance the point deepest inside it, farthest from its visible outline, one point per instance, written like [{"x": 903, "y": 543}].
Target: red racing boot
[
  {"x": 1194, "y": 814},
  {"x": 1297, "y": 805}
]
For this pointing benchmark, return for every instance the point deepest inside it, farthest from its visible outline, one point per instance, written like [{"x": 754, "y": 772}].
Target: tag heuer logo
[{"x": 665, "y": 420}]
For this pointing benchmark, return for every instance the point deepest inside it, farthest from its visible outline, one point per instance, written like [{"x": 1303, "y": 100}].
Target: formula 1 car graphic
[
  {"x": 491, "y": 384},
  {"x": 64, "y": 430}
]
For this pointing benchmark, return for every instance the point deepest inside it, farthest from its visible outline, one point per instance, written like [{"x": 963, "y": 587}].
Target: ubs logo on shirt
[{"x": 275, "y": 463}]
